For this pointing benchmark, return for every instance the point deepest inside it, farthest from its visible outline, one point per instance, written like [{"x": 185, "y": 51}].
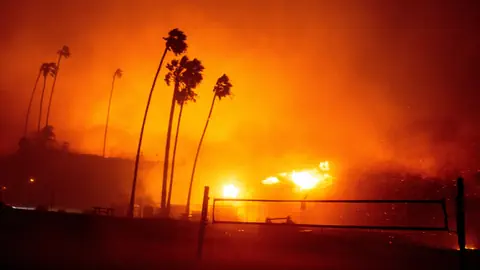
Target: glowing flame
[
  {"x": 324, "y": 166},
  {"x": 230, "y": 191},
  {"x": 270, "y": 180},
  {"x": 305, "y": 179},
  {"x": 467, "y": 247}
]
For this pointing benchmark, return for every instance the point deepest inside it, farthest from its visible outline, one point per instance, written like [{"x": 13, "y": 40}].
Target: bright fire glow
[
  {"x": 467, "y": 247},
  {"x": 230, "y": 191},
  {"x": 270, "y": 180},
  {"x": 324, "y": 166},
  {"x": 31, "y": 180},
  {"x": 306, "y": 179}
]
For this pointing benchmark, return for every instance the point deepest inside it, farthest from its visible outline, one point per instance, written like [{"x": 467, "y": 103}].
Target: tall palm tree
[
  {"x": 47, "y": 69},
  {"x": 175, "y": 42},
  {"x": 181, "y": 100},
  {"x": 31, "y": 101},
  {"x": 65, "y": 53},
  {"x": 186, "y": 75},
  {"x": 117, "y": 74},
  {"x": 222, "y": 89}
]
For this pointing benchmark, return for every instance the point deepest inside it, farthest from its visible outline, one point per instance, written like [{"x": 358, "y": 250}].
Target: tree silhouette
[
  {"x": 175, "y": 42},
  {"x": 47, "y": 134},
  {"x": 222, "y": 89},
  {"x": 185, "y": 75},
  {"x": 31, "y": 101},
  {"x": 65, "y": 53},
  {"x": 117, "y": 74},
  {"x": 47, "y": 69}
]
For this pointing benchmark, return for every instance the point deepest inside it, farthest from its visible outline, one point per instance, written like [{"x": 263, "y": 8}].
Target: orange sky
[{"x": 313, "y": 80}]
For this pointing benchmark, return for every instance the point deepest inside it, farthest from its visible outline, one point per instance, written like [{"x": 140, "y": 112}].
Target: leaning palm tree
[
  {"x": 117, "y": 74},
  {"x": 47, "y": 69},
  {"x": 222, "y": 89},
  {"x": 65, "y": 53},
  {"x": 183, "y": 97},
  {"x": 175, "y": 42},
  {"x": 31, "y": 101},
  {"x": 186, "y": 75}
]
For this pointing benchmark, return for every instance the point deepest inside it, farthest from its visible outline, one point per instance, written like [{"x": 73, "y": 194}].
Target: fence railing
[{"x": 441, "y": 203}]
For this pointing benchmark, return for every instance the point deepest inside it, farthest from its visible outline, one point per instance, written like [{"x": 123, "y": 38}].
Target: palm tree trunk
[
  {"x": 41, "y": 103},
  {"x": 173, "y": 158},
  {"x": 30, "y": 104},
  {"x": 139, "y": 148},
  {"x": 53, "y": 88},
  {"x": 163, "y": 201},
  {"x": 108, "y": 115},
  {"x": 187, "y": 208}
]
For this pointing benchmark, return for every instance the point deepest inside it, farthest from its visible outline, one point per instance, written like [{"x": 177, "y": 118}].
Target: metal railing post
[
  {"x": 461, "y": 221},
  {"x": 445, "y": 214},
  {"x": 213, "y": 211},
  {"x": 203, "y": 222}
]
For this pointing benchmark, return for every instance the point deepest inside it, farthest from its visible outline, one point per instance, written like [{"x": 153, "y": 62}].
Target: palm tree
[
  {"x": 186, "y": 75},
  {"x": 175, "y": 42},
  {"x": 31, "y": 101},
  {"x": 63, "y": 52},
  {"x": 222, "y": 89},
  {"x": 47, "y": 69},
  {"x": 118, "y": 74}
]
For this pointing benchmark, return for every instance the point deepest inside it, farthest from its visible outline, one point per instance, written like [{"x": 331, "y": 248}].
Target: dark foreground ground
[{"x": 39, "y": 240}]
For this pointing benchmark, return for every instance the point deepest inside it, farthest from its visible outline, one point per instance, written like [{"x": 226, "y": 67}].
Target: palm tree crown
[
  {"x": 49, "y": 69},
  {"x": 223, "y": 87},
  {"x": 185, "y": 95},
  {"x": 186, "y": 74},
  {"x": 118, "y": 73},
  {"x": 64, "y": 51},
  {"x": 175, "y": 42}
]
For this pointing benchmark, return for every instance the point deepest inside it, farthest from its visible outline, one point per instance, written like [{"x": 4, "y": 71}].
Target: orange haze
[{"x": 313, "y": 80}]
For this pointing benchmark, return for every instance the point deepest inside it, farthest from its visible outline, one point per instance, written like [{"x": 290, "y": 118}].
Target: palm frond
[
  {"x": 223, "y": 87},
  {"x": 187, "y": 74},
  {"x": 64, "y": 51},
  {"x": 49, "y": 69},
  {"x": 175, "y": 41},
  {"x": 52, "y": 69},
  {"x": 118, "y": 73},
  {"x": 185, "y": 95}
]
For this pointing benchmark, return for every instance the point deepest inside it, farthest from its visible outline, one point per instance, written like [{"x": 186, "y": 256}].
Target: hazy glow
[
  {"x": 31, "y": 180},
  {"x": 230, "y": 191},
  {"x": 311, "y": 79}
]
